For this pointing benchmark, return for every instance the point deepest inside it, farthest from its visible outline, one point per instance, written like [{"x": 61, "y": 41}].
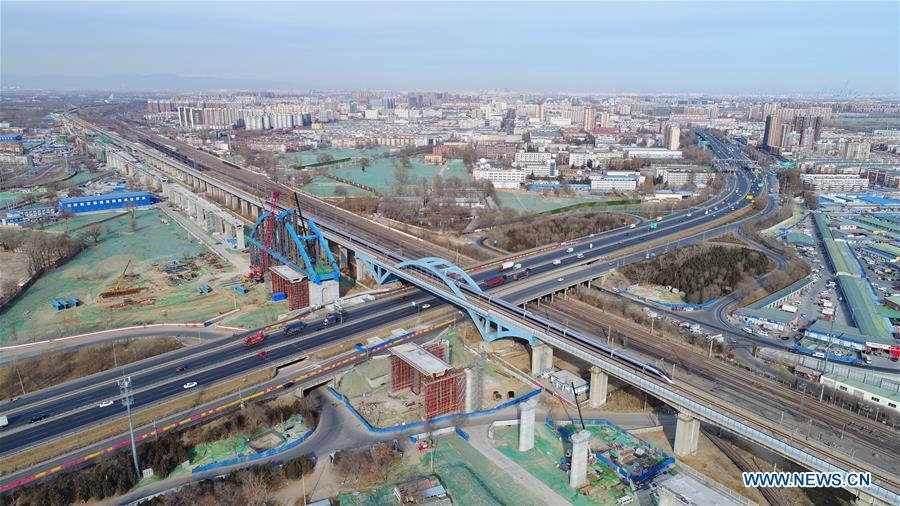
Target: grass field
[
  {"x": 79, "y": 221},
  {"x": 469, "y": 477},
  {"x": 307, "y": 157},
  {"x": 380, "y": 175},
  {"x": 529, "y": 203},
  {"x": 12, "y": 198},
  {"x": 96, "y": 269},
  {"x": 324, "y": 187}
]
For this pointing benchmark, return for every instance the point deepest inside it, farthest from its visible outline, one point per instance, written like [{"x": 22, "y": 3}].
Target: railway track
[
  {"x": 760, "y": 391},
  {"x": 262, "y": 187}
]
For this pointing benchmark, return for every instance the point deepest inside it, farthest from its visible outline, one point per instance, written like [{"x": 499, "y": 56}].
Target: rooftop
[
  {"x": 865, "y": 312},
  {"x": 859, "y": 385},
  {"x": 420, "y": 359}
]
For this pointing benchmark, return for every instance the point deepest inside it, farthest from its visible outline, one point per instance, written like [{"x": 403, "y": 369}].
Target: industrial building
[
  {"x": 108, "y": 202},
  {"x": 886, "y": 399}
]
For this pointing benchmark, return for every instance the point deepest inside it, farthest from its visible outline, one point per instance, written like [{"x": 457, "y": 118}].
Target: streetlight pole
[{"x": 128, "y": 400}]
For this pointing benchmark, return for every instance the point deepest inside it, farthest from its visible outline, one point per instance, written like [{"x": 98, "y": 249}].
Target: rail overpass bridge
[
  {"x": 383, "y": 254},
  {"x": 495, "y": 319}
]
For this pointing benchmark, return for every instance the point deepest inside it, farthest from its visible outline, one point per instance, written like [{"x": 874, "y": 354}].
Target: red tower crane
[{"x": 258, "y": 272}]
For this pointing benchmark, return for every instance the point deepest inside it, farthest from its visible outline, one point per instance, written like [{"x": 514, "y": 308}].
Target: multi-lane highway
[{"x": 156, "y": 379}]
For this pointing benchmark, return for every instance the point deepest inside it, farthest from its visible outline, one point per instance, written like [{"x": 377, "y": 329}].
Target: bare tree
[
  {"x": 94, "y": 232},
  {"x": 255, "y": 488}
]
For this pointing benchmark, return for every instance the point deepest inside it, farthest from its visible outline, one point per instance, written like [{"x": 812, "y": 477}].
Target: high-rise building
[
  {"x": 673, "y": 137},
  {"x": 858, "y": 150},
  {"x": 590, "y": 118},
  {"x": 604, "y": 119}
]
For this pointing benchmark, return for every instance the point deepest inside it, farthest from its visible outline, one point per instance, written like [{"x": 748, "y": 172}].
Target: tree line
[
  {"x": 115, "y": 474},
  {"x": 538, "y": 232},
  {"x": 702, "y": 273}
]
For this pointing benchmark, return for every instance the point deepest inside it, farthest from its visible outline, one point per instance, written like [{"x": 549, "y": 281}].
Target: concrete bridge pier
[
  {"x": 599, "y": 387},
  {"x": 580, "y": 447},
  {"x": 687, "y": 434},
  {"x": 541, "y": 359},
  {"x": 865, "y": 499},
  {"x": 526, "y": 424}
]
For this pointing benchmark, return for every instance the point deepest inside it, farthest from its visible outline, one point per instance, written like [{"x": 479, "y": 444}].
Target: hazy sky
[{"x": 594, "y": 47}]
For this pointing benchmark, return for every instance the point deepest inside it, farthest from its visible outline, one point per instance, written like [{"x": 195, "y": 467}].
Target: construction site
[
  {"x": 414, "y": 383},
  {"x": 551, "y": 458},
  {"x": 140, "y": 270}
]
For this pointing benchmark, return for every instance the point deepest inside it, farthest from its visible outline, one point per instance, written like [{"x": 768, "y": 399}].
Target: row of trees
[
  {"x": 701, "y": 272},
  {"x": 42, "y": 250},
  {"x": 371, "y": 464},
  {"x": 537, "y": 232}
]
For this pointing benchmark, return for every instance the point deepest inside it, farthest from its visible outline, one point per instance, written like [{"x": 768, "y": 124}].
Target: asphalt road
[{"x": 155, "y": 379}]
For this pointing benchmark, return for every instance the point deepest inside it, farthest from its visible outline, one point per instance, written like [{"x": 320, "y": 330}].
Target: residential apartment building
[
  {"x": 836, "y": 183},
  {"x": 606, "y": 183},
  {"x": 653, "y": 153}
]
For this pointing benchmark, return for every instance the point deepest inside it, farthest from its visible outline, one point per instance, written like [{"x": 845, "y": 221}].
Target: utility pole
[
  {"x": 21, "y": 384},
  {"x": 128, "y": 400}
]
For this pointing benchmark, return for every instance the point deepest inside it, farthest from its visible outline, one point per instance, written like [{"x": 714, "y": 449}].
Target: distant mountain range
[{"x": 137, "y": 82}]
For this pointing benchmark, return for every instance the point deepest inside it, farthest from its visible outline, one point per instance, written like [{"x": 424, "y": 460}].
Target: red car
[
  {"x": 180, "y": 369},
  {"x": 262, "y": 354}
]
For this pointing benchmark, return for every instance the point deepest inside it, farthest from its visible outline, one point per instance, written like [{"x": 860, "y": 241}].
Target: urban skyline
[{"x": 685, "y": 47}]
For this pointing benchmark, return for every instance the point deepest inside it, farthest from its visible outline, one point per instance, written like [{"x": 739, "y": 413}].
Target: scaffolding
[
  {"x": 426, "y": 373},
  {"x": 294, "y": 285}
]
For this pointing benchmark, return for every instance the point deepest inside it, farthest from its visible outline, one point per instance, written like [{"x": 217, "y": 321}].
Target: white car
[
  {"x": 106, "y": 404},
  {"x": 190, "y": 384},
  {"x": 560, "y": 279},
  {"x": 580, "y": 255},
  {"x": 557, "y": 262},
  {"x": 426, "y": 306}
]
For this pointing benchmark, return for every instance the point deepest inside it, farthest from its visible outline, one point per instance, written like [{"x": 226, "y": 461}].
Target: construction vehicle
[
  {"x": 254, "y": 339},
  {"x": 121, "y": 276}
]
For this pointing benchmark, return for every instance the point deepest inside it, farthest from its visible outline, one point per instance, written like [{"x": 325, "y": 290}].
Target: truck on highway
[
  {"x": 494, "y": 281},
  {"x": 4, "y": 421},
  {"x": 254, "y": 339},
  {"x": 506, "y": 266},
  {"x": 329, "y": 319},
  {"x": 297, "y": 325}
]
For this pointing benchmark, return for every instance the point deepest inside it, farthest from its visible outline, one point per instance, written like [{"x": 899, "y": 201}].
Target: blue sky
[{"x": 706, "y": 47}]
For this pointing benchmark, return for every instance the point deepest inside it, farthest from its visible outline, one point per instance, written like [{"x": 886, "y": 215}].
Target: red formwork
[
  {"x": 444, "y": 395},
  {"x": 401, "y": 374},
  {"x": 297, "y": 292}
]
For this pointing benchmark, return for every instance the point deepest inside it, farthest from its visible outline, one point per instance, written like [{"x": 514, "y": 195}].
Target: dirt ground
[
  {"x": 14, "y": 270},
  {"x": 368, "y": 386},
  {"x": 708, "y": 460}
]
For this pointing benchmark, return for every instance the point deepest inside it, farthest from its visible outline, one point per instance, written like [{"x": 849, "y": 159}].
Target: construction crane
[
  {"x": 258, "y": 272},
  {"x": 121, "y": 277},
  {"x": 310, "y": 243}
]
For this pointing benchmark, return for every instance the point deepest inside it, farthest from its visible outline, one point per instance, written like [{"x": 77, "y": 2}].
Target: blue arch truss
[
  {"x": 301, "y": 242},
  {"x": 453, "y": 276}
]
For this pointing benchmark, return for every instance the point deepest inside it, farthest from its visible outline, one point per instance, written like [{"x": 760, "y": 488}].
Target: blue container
[{"x": 279, "y": 296}]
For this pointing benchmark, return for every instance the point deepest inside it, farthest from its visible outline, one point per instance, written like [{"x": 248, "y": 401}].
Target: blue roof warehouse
[{"x": 107, "y": 202}]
